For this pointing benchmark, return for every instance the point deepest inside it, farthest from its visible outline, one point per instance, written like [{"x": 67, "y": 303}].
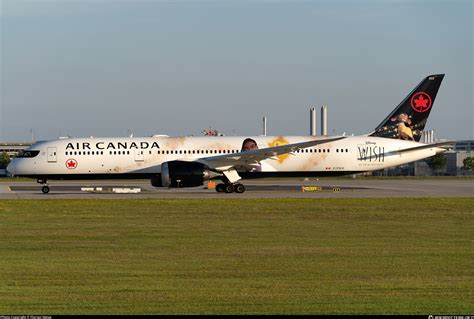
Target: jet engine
[{"x": 182, "y": 174}]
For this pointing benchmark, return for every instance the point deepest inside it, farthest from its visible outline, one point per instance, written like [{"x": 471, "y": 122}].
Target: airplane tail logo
[
  {"x": 407, "y": 121},
  {"x": 420, "y": 102}
]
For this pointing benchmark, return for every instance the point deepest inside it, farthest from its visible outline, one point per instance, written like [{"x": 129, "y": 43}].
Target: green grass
[
  {"x": 16, "y": 179},
  {"x": 262, "y": 256}
]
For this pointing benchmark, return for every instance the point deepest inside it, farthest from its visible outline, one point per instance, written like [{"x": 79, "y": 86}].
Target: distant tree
[
  {"x": 4, "y": 160},
  {"x": 436, "y": 163},
  {"x": 468, "y": 164}
]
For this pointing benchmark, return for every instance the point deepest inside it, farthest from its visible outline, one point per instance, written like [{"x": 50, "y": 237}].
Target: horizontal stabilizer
[{"x": 427, "y": 146}]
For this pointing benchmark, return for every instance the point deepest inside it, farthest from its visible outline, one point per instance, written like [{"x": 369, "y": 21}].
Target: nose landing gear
[{"x": 45, "y": 188}]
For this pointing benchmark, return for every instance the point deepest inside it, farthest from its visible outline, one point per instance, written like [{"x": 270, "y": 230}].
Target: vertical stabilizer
[{"x": 409, "y": 118}]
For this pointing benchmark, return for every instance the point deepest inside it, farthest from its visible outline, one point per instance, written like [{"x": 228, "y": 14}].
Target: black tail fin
[{"x": 409, "y": 118}]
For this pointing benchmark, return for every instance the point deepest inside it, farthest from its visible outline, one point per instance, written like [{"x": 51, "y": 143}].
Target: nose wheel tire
[{"x": 45, "y": 189}]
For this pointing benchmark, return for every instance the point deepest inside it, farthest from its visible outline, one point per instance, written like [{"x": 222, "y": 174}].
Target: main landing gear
[
  {"x": 45, "y": 188},
  {"x": 230, "y": 188}
]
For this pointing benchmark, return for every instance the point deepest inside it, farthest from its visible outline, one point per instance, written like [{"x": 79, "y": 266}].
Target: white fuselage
[{"x": 67, "y": 158}]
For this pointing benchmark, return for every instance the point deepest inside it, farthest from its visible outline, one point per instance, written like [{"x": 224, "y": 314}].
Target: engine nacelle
[
  {"x": 183, "y": 174},
  {"x": 156, "y": 181}
]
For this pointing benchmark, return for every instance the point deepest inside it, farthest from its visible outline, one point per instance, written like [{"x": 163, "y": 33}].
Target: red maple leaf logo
[
  {"x": 71, "y": 163},
  {"x": 421, "y": 102}
]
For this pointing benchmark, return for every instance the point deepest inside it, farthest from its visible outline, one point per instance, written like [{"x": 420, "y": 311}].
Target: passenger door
[{"x": 52, "y": 158}]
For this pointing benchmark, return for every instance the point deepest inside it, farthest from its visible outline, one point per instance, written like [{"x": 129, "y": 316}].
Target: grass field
[{"x": 264, "y": 256}]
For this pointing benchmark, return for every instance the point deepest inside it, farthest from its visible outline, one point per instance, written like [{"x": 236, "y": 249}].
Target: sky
[{"x": 110, "y": 67}]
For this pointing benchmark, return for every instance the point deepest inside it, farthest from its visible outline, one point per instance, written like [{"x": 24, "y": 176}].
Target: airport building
[
  {"x": 455, "y": 158},
  {"x": 13, "y": 148}
]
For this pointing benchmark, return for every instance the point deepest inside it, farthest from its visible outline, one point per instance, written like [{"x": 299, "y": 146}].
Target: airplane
[{"x": 191, "y": 161}]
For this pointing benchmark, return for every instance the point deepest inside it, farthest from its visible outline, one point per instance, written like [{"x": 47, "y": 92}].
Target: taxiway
[{"x": 271, "y": 188}]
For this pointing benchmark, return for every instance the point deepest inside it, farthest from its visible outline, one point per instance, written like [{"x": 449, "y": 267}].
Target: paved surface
[{"x": 272, "y": 188}]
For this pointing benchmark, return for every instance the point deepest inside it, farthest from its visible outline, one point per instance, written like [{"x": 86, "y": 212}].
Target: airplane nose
[{"x": 11, "y": 168}]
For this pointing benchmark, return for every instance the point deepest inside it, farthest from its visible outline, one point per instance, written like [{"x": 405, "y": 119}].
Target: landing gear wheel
[
  {"x": 229, "y": 188},
  {"x": 239, "y": 188},
  {"x": 43, "y": 181},
  {"x": 220, "y": 188}
]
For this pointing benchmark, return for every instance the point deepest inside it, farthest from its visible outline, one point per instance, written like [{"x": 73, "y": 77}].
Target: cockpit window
[{"x": 27, "y": 153}]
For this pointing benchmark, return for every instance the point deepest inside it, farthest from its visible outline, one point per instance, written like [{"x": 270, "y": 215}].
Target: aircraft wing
[{"x": 253, "y": 157}]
